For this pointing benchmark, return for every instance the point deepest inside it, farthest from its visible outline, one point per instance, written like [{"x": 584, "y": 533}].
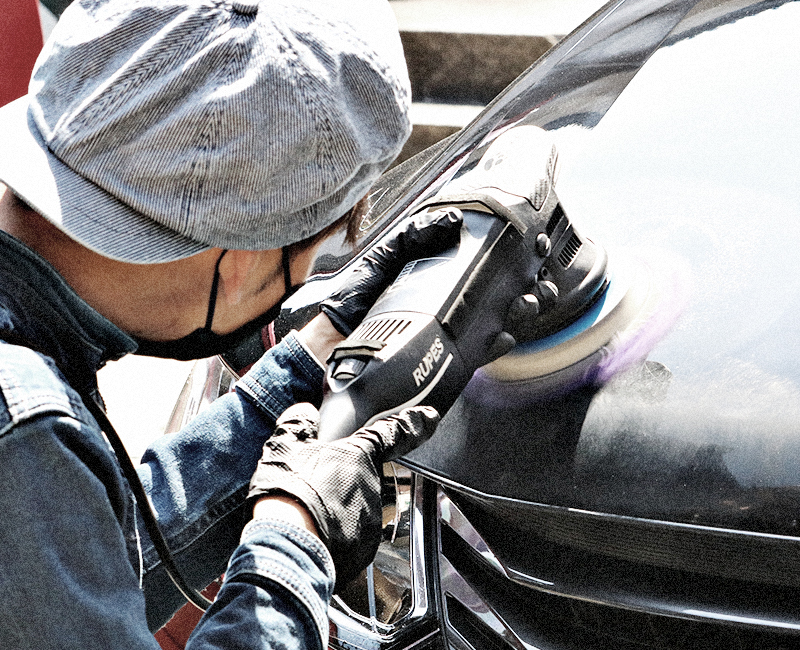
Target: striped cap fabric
[{"x": 155, "y": 129}]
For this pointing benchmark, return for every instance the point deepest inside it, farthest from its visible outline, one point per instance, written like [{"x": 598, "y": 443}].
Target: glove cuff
[
  {"x": 339, "y": 324},
  {"x": 300, "y": 491}
]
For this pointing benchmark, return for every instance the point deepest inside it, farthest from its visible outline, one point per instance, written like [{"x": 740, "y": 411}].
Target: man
[{"x": 166, "y": 183}]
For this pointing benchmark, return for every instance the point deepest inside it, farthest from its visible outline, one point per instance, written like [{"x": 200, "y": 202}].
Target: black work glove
[
  {"x": 338, "y": 482},
  {"x": 426, "y": 235}
]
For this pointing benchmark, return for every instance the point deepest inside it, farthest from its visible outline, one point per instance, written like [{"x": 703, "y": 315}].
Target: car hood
[{"x": 678, "y": 140}]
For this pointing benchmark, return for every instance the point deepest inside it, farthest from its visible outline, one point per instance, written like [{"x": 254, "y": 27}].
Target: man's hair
[{"x": 349, "y": 222}]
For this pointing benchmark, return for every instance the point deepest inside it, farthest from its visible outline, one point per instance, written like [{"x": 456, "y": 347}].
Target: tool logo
[{"x": 428, "y": 362}]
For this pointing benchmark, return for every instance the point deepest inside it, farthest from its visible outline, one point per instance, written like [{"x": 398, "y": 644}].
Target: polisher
[{"x": 524, "y": 299}]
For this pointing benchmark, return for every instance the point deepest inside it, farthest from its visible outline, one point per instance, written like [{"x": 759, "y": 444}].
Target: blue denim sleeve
[
  {"x": 197, "y": 478},
  {"x": 275, "y": 595},
  {"x": 284, "y": 376}
]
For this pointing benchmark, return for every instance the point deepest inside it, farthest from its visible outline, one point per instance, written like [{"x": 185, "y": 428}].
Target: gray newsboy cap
[{"x": 155, "y": 129}]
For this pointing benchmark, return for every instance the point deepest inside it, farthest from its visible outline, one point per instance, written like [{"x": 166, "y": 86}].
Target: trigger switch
[
  {"x": 347, "y": 369},
  {"x": 543, "y": 245}
]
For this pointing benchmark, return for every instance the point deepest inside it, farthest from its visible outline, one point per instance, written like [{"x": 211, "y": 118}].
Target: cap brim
[{"x": 75, "y": 205}]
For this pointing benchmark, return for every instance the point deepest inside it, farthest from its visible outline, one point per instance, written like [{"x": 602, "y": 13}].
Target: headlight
[
  {"x": 383, "y": 593},
  {"x": 389, "y": 598}
]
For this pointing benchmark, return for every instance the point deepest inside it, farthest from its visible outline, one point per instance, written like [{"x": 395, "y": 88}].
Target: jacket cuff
[
  {"x": 287, "y": 374},
  {"x": 291, "y": 557}
]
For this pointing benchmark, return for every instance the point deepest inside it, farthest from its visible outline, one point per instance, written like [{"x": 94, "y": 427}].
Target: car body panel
[{"x": 684, "y": 169}]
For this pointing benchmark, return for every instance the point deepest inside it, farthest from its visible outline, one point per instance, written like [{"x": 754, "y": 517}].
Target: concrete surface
[
  {"x": 517, "y": 17},
  {"x": 464, "y": 52}
]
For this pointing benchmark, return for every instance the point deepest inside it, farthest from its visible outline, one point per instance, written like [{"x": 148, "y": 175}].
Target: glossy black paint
[{"x": 694, "y": 162}]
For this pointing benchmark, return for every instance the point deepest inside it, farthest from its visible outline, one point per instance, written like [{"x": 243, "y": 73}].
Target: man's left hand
[{"x": 339, "y": 483}]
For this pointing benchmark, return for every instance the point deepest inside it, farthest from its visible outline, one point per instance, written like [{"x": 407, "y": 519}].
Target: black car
[{"x": 659, "y": 510}]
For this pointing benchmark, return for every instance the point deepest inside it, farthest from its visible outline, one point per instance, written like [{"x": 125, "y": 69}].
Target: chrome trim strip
[
  {"x": 454, "y": 585},
  {"x": 419, "y": 583},
  {"x": 605, "y": 596},
  {"x": 450, "y": 514}
]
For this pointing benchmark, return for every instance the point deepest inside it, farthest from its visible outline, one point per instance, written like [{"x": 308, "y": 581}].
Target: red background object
[
  {"x": 20, "y": 43},
  {"x": 175, "y": 634}
]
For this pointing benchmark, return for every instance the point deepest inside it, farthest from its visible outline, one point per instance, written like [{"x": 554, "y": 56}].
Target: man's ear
[{"x": 234, "y": 269}]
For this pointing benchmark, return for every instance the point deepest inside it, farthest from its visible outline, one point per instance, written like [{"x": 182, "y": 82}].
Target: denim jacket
[{"x": 76, "y": 568}]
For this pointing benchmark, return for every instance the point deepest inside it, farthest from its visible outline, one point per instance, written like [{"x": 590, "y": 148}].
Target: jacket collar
[{"x": 38, "y": 306}]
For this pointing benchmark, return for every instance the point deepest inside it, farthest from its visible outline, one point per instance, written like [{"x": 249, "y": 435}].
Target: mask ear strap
[
  {"x": 287, "y": 271},
  {"x": 212, "y": 300}
]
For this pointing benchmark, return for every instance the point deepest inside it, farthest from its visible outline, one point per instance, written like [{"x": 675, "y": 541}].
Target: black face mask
[{"x": 203, "y": 342}]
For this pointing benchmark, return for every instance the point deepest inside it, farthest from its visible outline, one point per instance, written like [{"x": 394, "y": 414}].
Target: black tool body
[{"x": 445, "y": 316}]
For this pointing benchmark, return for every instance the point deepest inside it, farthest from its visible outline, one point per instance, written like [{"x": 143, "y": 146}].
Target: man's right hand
[{"x": 426, "y": 235}]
